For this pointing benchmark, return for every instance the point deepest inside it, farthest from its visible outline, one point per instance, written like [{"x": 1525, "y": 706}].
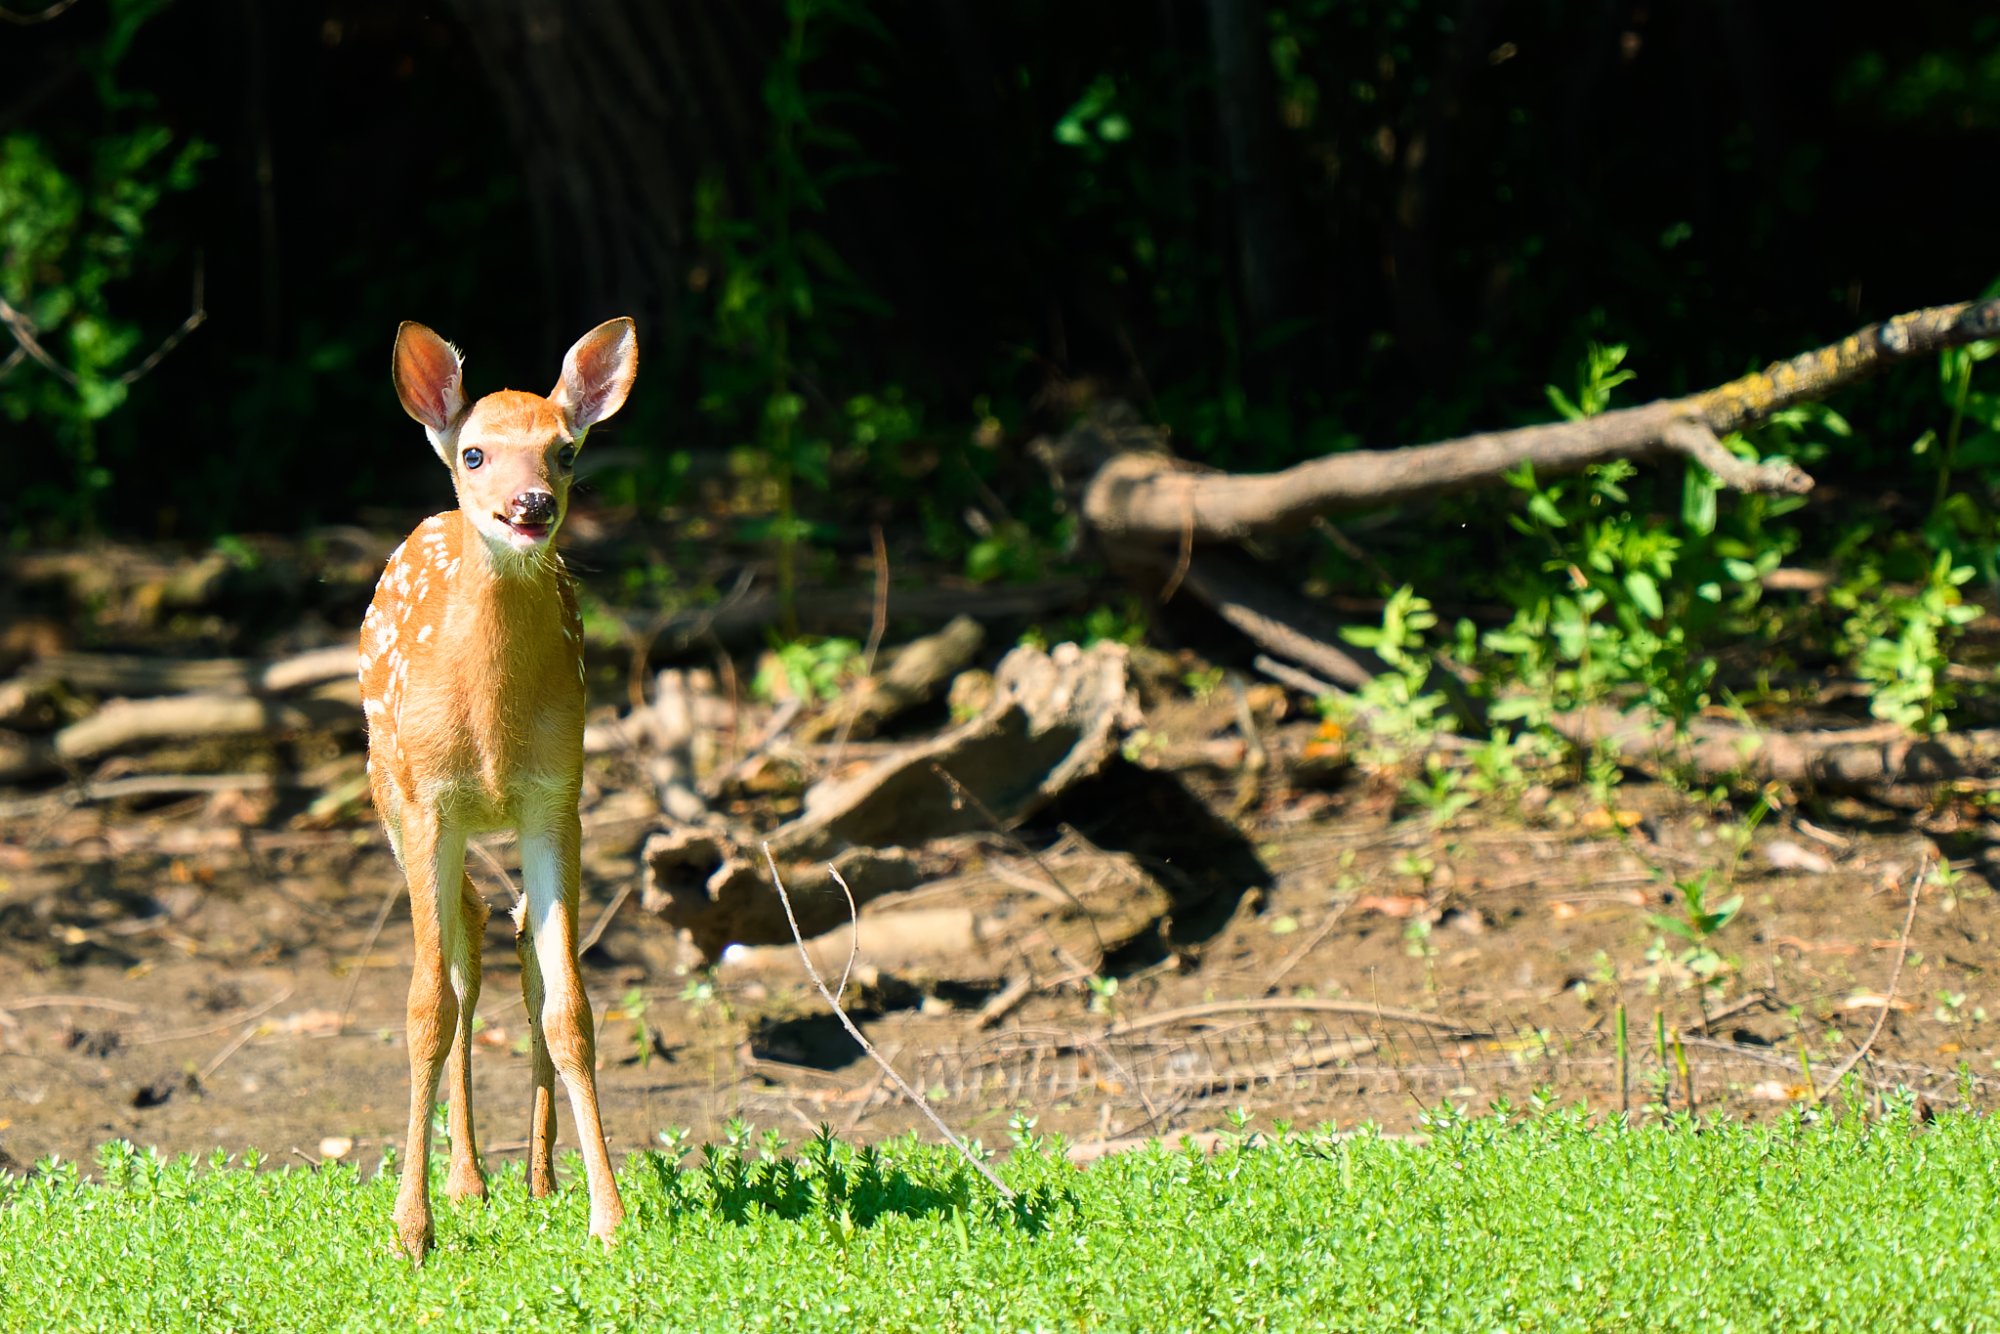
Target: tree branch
[
  {"x": 1149, "y": 498},
  {"x": 27, "y": 338},
  {"x": 42, "y": 15}
]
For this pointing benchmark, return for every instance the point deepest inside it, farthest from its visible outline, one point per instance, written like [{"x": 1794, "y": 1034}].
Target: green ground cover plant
[{"x": 1554, "y": 1221}]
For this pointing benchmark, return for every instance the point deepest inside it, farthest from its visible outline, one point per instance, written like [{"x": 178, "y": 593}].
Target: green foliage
[
  {"x": 1698, "y": 922},
  {"x": 1901, "y": 643},
  {"x": 1626, "y": 604},
  {"x": 632, "y": 1008},
  {"x": 1122, "y": 624},
  {"x": 1402, "y": 709},
  {"x": 74, "y": 220},
  {"x": 1600, "y": 373},
  {"x": 1528, "y": 1218},
  {"x": 783, "y": 295},
  {"x": 809, "y": 668}
]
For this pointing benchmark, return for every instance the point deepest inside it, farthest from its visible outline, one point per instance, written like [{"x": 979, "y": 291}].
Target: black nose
[{"x": 533, "y": 507}]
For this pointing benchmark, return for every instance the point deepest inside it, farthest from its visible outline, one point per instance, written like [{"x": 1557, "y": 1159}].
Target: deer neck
[{"x": 510, "y": 610}]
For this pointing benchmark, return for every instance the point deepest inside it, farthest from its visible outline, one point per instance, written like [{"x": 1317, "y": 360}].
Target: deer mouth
[{"x": 526, "y": 532}]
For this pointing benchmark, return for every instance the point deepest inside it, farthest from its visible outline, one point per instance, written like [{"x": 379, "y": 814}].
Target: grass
[{"x": 1545, "y": 1223}]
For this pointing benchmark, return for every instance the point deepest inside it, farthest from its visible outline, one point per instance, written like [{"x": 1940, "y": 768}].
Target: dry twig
[
  {"x": 1310, "y": 944},
  {"x": 374, "y": 932},
  {"x": 878, "y": 625},
  {"x": 207, "y": 1030},
  {"x": 1854, "y": 1057},
  {"x": 916, "y": 1099},
  {"x": 27, "y": 337},
  {"x": 1254, "y": 1005},
  {"x": 43, "y": 15}
]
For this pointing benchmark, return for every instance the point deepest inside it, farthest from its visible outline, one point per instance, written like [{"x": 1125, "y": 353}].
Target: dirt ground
[
  {"x": 206, "y": 974},
  {"x": 1183, "y": 935}
]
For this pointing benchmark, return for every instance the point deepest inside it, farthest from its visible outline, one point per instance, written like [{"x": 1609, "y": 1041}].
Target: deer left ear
[{"x": 597, "y": 374}]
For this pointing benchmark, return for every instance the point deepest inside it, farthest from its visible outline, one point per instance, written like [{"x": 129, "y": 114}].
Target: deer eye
[
  {"x": 566, "y": 456},
  {"x": 472, "y": 458}
]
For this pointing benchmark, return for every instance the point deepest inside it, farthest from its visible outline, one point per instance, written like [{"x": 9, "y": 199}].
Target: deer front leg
[
  {"x": 550, "y": 856},
  {"x": 466, "y": 1180},
  {"x": 434, "y": 864},
  {"x": 542, "y": 1100}
]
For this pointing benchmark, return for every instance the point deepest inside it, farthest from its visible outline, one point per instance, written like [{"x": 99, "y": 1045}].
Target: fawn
[{"x": 472, "y": 683}]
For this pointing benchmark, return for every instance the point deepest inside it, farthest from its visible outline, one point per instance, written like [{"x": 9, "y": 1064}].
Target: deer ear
[
  {"x": 597, "y": 374},
  {"x": 429, "y": 380}
]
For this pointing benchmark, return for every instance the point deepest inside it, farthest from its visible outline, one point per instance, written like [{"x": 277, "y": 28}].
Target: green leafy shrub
[{"x": 75, "y": 213}]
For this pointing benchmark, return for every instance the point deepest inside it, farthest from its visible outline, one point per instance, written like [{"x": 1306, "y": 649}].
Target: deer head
[{"x": 512, "y": 454}]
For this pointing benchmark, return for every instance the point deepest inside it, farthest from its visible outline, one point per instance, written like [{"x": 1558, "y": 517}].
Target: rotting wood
[
  {"x": 916, "y": 674},
  {"x": 900, "y": 942},
  {"x": 128, "y": 723},
  {"x": 1854, "y": 760},
  {"x": 1056, "y": 718},
  {"x": 126, "y": 674}
]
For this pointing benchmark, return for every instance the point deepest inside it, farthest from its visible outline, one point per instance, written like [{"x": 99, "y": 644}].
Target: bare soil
[
  {"x": 207, "y": 973},
  {"x": 227, "y": 970}
]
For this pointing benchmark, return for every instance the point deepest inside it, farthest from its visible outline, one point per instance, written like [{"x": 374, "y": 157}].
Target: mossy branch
[{"x": 1143, "y": 497}]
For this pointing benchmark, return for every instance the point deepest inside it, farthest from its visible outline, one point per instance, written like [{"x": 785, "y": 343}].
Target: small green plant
[
  {"x": 1739, "y": 833},
  {"x": 1416, "y": 864},
  {"x": 1601, "y": 371},
  {"x": 1901, "y": 643},
  {"x": 808, "y": 668},
  {"x": 1625, "y": 602},
  {"x": 1440, "y": 792},
  {"x": 1497, "y": 762},
  {"x": 1204, "y": 682},
  {"x": 1103, "y": 994},
  {"x": 632, "y": 1008},
  {"x": 1400, "y": 707},
  {"x": 1417, "y": 943},
  {"x": 1699, "y": 923}
]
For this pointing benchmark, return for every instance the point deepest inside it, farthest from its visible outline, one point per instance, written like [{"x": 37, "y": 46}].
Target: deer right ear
[{"x": 428, "y": 375}]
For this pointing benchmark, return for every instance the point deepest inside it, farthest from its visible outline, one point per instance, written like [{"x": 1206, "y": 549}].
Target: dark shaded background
[{"x": 1324, "y": 224}]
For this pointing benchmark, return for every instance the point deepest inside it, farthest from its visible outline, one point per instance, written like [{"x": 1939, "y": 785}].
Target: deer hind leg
[
  {"x": 550, "y": 851},
  {"x": 466, "y": 1180},
  {"x": 433, "y": 859},
  {"x": 542, "y": 1100}
]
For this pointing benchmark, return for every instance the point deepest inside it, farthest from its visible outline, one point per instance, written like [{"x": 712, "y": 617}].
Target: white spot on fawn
[{"x": 425, "y": 633}]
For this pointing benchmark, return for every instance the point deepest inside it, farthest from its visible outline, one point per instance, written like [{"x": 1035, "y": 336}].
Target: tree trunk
[
  {"x": 1267, "y": 250},
  {"x": 605, "y": 104}
]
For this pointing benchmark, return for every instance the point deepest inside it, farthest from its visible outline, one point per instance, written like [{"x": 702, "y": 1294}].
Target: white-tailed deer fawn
[{"x": 472, "y": 681}]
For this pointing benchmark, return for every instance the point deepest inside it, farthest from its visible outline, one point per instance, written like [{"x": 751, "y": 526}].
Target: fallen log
[
  {"x": 124, "y": 724},
  {"x": 126, "y": 674},
  {"x": 1861, "y": 760},
  {"x": 913, "y": 940},
  {"x": 919, "y": 670},
  {"x": 712, "y": 888},
  {"x": 25, "y": 757}
]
